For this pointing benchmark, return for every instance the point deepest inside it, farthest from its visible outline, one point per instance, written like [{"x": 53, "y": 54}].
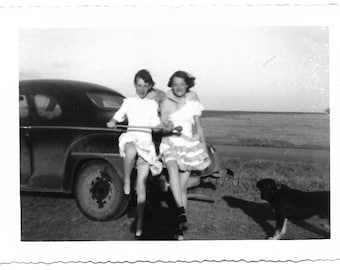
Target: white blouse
[
  {"x": 138, "y": 111},
  {"x": 184, "y": 117}
]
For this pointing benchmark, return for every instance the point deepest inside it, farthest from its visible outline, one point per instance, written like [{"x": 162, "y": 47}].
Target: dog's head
[{"x": 268, "y": 187}]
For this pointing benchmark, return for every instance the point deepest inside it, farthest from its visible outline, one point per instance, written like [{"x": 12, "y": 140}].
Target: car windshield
[{"x": 105, "y": 101}]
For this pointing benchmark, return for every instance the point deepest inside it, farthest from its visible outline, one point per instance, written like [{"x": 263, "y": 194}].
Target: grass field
[
  {"x": 238, "y": 212},
  {"x": 305, "y": 131},
  {"x": 292, "y": 130}
]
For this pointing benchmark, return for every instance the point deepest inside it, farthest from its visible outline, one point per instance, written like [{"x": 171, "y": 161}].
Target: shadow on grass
[
  {"x": 307, "y": 226},
  {"x": 261, "y": 213},
  {"x": 158, "y": 223}
]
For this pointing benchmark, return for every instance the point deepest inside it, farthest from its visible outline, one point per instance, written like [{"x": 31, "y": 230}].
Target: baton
[{"x": 178, "y": 128}]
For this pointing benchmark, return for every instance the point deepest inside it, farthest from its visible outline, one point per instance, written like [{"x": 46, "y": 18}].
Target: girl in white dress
[
  {"x": 137, "y": 142},
  {"x": 187, "y": 152}
]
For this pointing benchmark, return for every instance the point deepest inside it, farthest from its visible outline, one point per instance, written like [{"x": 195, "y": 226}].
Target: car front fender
[{"x": 103, "y": 146}]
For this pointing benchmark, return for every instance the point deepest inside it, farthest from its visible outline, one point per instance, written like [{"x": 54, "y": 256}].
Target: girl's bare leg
[
  {"x": 175, "y": 185},
  {"x": 142, "y": 174},
  {"x": 184, "y": 180},
  {"x": 177, "y": 190},
  {"x": 129, "y": 163}
]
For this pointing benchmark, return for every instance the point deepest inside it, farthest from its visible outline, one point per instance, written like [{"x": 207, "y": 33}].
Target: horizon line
[{"x": 243, "y": 111}]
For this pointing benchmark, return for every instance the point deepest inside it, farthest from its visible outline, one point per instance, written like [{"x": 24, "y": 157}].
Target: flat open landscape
[
  {"x": 288, "y": 130},
  {"x": 292, "y": 148}
]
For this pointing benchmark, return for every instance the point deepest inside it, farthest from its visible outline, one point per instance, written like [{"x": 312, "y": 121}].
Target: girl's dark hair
[
  {"x": 145, "y": 76},
  {"x": 188, "y": 78}
]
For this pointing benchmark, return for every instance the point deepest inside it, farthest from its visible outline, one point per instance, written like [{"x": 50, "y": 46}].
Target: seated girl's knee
[
  {"x": 171, "y": 163},
  {"x": 130, "y": 150}
]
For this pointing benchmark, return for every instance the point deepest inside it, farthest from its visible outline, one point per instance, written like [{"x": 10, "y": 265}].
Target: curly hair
[
  {"x": 188, "y": 78},
  {"x": 145, "y": 76}
]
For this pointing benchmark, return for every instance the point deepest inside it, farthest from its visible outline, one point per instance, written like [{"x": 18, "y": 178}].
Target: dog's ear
[
  {"x": 258, "y": 184},
  {"x": 278, "y": 184}
]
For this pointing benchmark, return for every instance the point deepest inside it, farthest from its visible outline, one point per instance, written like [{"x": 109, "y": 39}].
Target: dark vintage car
[{"x": 66, "y": 147}]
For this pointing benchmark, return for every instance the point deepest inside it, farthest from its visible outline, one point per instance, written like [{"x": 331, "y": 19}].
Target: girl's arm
[
  {"x": 199, "y": 131},
  {"x": 165, "y": 110},
  {"x": 164, "y": 124},
  {"x": 119, "y": 116},
  {"x": 155, "y": 121}
]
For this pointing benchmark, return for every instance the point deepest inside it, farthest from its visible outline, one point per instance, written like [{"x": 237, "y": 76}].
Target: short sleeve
[
  {"x": 166, "y": 108},
  {"x": 192, "y": 96},
  {"x": 197, "y": 108}
]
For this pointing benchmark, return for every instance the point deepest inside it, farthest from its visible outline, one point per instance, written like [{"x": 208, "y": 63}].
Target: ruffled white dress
[{"x": 186, "y": 149}]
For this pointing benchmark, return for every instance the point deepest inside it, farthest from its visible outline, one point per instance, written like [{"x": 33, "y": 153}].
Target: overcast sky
[{"x": 268, "y": 68}]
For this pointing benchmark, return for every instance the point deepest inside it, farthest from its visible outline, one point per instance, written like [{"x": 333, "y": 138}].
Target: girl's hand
[
  {"x": 111, "y": 124},
  {"x": 195, "y": 136},
  {"x": 168, "y": 126}
]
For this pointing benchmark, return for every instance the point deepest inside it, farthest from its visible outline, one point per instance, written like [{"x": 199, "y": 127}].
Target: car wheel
[{"x": 99, "y": 191}]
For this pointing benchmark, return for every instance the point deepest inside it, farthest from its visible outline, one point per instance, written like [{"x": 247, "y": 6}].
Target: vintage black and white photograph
[
  {"x": 209, "y": 131},
  {"x": 188, "y": 133}
]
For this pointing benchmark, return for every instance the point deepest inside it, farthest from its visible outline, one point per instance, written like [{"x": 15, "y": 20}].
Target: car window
[
  {"x": 23, "y": 106},
  {"x": 47, "y": 106},
  {"x": 105, "y": 101}
]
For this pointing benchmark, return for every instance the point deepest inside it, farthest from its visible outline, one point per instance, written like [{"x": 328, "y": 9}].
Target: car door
[
  {"x": 49, "y": 144},
  {"x": 25, "y": 149}
]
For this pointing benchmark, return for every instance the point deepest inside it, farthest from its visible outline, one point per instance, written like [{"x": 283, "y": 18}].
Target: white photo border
[{"x": 13, "y": 250}]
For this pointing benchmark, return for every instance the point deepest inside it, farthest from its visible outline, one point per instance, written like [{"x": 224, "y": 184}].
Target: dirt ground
[{"x": 237, "y": 213}]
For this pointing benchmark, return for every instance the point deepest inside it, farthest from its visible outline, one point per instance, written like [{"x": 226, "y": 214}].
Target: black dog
[{"x": 292, "y": 203}]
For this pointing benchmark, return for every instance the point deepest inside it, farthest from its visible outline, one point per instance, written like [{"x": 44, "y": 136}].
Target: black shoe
[
  {"x": 181, "y": 219},
  {"x": 180, "y": 236}
]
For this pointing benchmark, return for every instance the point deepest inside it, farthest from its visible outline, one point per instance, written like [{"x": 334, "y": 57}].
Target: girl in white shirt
[{"x": 137, "y": 142}]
